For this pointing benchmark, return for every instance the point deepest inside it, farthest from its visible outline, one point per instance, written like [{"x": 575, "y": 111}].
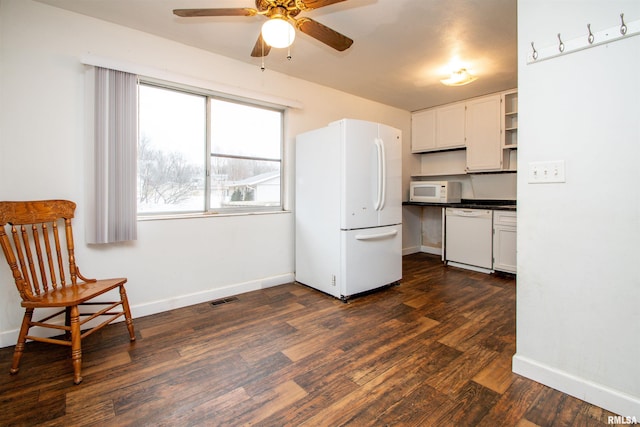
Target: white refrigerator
[{"x": 348, "y": 207}]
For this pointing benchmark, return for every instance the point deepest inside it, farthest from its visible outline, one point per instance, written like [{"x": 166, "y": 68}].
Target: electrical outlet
[{"x": 546, "y": 172}]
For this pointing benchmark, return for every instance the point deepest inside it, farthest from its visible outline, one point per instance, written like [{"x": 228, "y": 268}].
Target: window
[
  {"x": 200, "y": 153},
  {"x": 245, "y": 155}
]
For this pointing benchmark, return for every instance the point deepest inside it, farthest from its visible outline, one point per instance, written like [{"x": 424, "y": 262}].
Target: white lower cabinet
[{"x": 504, "y": 241}]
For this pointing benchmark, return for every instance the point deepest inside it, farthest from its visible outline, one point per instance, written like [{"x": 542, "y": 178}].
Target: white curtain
[{"x": 113, "y": 216}]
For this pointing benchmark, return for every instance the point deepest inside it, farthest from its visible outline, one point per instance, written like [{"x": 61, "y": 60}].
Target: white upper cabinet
[
  {"x": 487, "y": 127},
  {"x": 450, "y": 128},
  {"x": 484, "y": 145},
  {"x": 440, "y": 128},
  {"x": 423, "y": 131}
]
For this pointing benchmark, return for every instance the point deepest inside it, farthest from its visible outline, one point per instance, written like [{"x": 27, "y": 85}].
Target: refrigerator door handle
[
  {"x": 376, "y": 236},
  {"x": 382, "y": 175}
]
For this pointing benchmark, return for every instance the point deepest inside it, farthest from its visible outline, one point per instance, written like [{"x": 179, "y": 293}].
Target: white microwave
[{"x": 434, "y": 191}]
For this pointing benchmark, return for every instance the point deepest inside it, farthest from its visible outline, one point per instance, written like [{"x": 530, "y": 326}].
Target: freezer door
[
  {"x": 371, "y": 175},
  {"x": 371, "y": 258}
]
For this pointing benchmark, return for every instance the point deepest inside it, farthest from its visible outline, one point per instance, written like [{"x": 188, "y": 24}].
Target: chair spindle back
[{"x": 31, "y": 242}]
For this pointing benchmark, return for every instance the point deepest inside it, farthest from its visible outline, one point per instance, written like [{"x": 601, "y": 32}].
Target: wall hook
[
  {"x": 623, "y": 27},
  {"x": 592, "y": 38},
  {"x": 561, "y": 45}
]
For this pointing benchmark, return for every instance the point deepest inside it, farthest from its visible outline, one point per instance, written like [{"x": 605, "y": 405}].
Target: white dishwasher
[{"x": 468, "y": 238}]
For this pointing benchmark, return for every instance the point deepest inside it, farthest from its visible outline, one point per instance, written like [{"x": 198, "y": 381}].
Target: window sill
[{"x": 161, "y": 217}]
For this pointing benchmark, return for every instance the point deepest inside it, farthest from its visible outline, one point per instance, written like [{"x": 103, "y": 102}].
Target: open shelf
[{"x": 510, "y": 120}]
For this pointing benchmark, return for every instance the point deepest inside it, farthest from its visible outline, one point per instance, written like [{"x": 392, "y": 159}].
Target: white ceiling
[{"x": 401, "y": 47}]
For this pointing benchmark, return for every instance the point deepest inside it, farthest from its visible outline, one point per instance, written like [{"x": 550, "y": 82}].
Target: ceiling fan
[{"x": 283, "y": 12}]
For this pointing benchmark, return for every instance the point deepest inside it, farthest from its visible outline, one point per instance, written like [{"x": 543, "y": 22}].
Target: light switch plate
[{"x": 552, "y": 171}]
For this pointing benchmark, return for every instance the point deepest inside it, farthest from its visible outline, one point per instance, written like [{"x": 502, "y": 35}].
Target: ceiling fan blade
[
  {"x": 324, "y": 34},
  {"x": 315, "y": 4},
  {"x": 261, "y": 48},
  {"x": 230, "y": 11}
]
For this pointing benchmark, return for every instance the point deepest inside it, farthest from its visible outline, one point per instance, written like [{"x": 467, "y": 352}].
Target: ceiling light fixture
[
  {"x": 459, "y": 78},
  {"x": 278, "y": 32}
]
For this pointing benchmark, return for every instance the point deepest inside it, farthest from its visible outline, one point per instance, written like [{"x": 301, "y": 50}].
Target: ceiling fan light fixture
[
  {"x": 460, "y": 77},
  {"x": 278, "y": 32}
]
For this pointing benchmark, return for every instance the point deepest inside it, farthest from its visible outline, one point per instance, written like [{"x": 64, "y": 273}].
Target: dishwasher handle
[{"x": 471, "y": 213}]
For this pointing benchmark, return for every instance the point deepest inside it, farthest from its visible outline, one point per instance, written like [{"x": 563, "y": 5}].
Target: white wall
[
  {"x": 578, "y": 286},
  {"x": 42, "y": 145}
]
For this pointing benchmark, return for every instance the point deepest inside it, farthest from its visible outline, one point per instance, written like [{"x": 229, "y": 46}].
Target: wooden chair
[{"x": 46, "y": 276}]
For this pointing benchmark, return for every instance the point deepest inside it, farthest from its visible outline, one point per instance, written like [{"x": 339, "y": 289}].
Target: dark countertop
[{"x": 506, "y": 205}]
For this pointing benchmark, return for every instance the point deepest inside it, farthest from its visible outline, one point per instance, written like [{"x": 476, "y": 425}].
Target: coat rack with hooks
[{"x": 589, "y": 40}]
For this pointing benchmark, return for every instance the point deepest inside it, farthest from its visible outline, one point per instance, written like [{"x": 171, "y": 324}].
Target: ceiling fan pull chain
[
  {"x": 262, "y": 56},
  {"x": 289, "y": 47}
]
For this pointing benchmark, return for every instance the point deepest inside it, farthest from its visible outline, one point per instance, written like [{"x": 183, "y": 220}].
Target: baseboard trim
[
  {"x": 597, "y": 394},
  {"x": 431, "y": 250},
  {"x": 210, "y": 294},
  {"x": 9, "y": 338},
  {"x": 410, "y": 250},
  {"x": 424, "y": 249}
]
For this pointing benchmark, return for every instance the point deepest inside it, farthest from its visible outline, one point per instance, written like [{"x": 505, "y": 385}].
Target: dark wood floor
[{"x": 434, "y": 351}]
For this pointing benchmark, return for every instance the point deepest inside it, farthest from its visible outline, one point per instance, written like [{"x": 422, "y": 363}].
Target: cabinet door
[
  {"x": 504, "y": 241},
  {"x": 450, "y": 131},
  {"x": 484, "y": 148},
  {"x": 423, "y": 131},
  {"x": 504, "y": 248}
]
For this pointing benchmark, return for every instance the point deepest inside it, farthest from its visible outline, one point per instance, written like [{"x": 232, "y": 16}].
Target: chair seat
[{"x": 74, "y": 294}]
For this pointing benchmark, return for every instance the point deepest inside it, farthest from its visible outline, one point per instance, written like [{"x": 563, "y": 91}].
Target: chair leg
[
  {"x": 67, "y": 322},
  {"x": 22, "y": 338},
  {"x": 127, "y": 313},
  {"x": 76, "y": 345}
]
